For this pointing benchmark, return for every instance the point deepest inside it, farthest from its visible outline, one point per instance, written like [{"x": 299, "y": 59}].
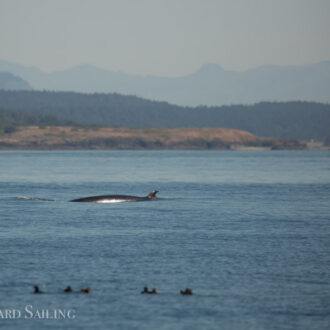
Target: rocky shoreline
[{"x": 73, "y": 138}]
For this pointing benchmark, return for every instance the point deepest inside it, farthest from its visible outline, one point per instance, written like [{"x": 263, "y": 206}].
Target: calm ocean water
[{"x": 248, "y": 232}]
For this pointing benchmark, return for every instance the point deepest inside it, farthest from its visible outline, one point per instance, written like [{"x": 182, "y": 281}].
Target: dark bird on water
[
  {"x": 37, "y": 290},
  {"x": 68, "y": 289},
  {"x": 87, "y": 290},
  {"x": 145, "y": 290},
  {"x": 187, "y": 292}
]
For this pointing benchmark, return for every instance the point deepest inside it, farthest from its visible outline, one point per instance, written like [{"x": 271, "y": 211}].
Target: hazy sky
[{"x": 164, "y": 37}]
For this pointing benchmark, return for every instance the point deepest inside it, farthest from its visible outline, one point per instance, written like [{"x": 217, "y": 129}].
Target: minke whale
[{"x": 117, "y": 198}]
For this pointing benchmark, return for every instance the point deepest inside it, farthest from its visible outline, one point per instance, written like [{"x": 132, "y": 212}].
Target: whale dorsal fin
[{"x": 152, "y": 195}]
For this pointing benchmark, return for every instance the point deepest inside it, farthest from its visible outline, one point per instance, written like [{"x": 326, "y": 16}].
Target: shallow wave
[{"x": 35, "y": 198}]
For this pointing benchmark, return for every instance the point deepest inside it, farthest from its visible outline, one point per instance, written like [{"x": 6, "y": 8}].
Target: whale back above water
[{"x": 117, "y": 198}]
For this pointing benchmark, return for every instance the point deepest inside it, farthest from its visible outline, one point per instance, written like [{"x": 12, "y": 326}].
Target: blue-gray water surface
[{"x": 248, "y": 232}]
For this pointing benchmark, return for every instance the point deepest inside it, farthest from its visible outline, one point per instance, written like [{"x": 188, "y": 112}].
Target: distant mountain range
[
  {"x": 210, "y": 85},
  {"x": 10, "y": 82}
]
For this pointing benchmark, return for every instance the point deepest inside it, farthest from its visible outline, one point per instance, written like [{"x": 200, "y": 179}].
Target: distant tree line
[
  {"x": 10, "y": 121},
  {"x": 297, "y": 120}
]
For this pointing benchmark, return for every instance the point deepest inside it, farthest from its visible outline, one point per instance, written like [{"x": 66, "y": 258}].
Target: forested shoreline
[{"x": 295, "y": 120}]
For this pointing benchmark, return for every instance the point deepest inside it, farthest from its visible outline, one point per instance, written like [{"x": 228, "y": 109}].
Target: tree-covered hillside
[
  {"x": 11, "y": 120},
  {"x": 299, "y": 120}
]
